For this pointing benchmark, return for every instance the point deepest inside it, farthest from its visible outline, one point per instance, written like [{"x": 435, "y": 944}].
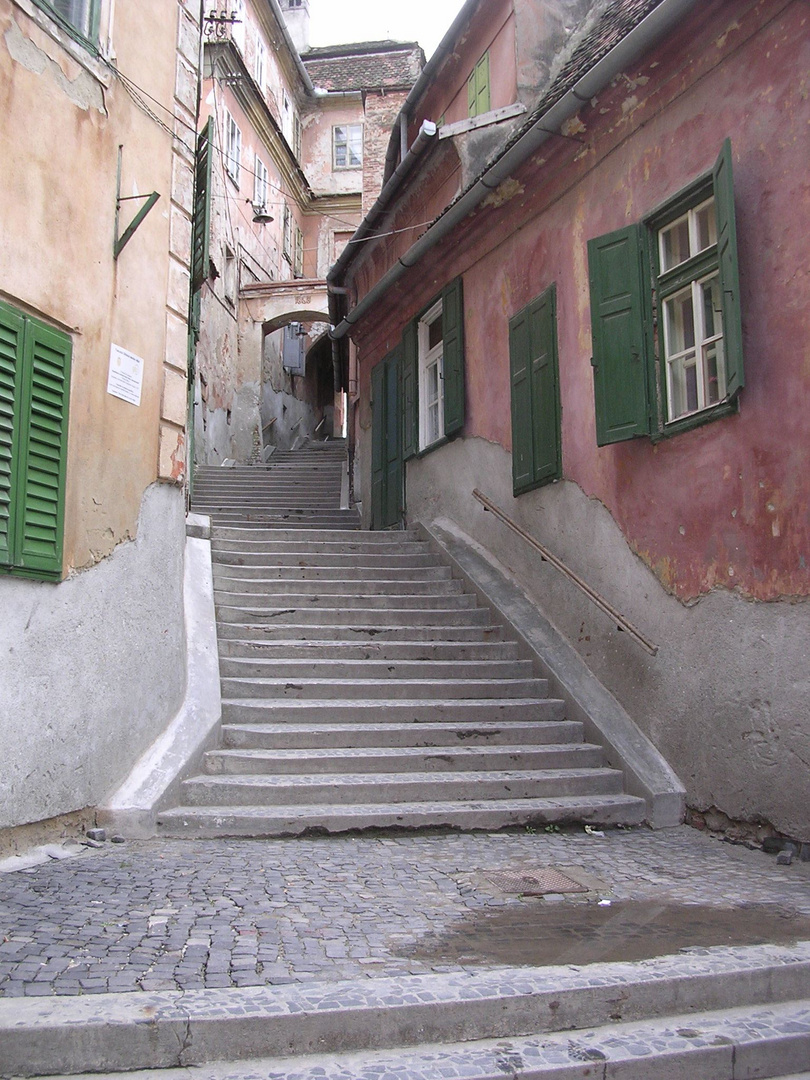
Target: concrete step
[
  {"x": 251, "y": 668},
  {"x": 263, "y": 821},
  {"x": 267, "y": 544},
  {"x": 275, "y": 598},
  {"x": 301, "y": 586},
  {"x": 359, "y": 631},
  {"x": 304, "y": 557},
  {"x": 741, "y": 1010},
  {"x": 399, "y": 576},
  {"x": 376, "y": 690},
  {"x": 332, "y": 616},
  {"x": 376, "y": 759},
  {"x": 473, "y": 711},
  {"x": 284, "y": 519},
  {"x": 377, "y": 736},
  {"x": 390, "y": 788},
  {"x": 435, "y": 651},
  {"x": 328, "y": 536}
]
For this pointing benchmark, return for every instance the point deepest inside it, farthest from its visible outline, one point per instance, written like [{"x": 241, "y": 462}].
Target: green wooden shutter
[
  {"x": 410, "y": 391},
  {"x": 377, "y": 443},
  {"x": 43, "y": 449},
  {"x": 545, "y": 389},
  {"x": 201, "y": 224},
  {"x": 12, "y": 326},
  {"x": 453, "y": 356},
  {"x": 519, "y": 365},
  {"x": 729, "y": 271},
  {"x": 478, "y": 88},
  {"x": 471, "y": 95},
  {"x": 619, "y": 287}
]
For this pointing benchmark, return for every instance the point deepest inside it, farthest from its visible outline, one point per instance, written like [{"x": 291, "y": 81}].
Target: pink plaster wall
[{"x": 726, "y": 504}]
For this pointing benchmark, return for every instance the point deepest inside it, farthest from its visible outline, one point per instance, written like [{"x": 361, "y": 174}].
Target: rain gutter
[{"x": 645, "y": 34}]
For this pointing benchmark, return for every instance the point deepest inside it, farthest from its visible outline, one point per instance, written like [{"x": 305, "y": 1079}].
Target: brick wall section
[{"x": 381, "y": 112}]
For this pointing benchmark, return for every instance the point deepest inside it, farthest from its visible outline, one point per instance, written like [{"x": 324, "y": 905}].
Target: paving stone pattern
[{"x": 168, "y": 914}]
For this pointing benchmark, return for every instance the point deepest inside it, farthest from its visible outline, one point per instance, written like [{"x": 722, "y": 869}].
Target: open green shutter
[
  {"x": 482, "y": 85},
  {"x": 201, "y": 224},
  {"x": 12, "y": 326},
  {"x": 453, "y": 358},
  {"x": 43, "y": 449},
  {"x": 618, "y": 281},
  {"x": 377, "y": 443},
  {"x": 545, "y": 390},
  {"x": 410, "y": 392},
  {"x": 471, "y": 94},
  {"x": 519, "y": 368},
  {"x": 729, "y": 272}
]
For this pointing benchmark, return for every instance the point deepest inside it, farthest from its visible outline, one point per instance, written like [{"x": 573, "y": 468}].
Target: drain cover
[{"x": 534, "y": 882}]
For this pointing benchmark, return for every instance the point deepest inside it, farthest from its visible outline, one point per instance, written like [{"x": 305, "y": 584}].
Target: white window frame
[
  {"x": 347, "y": 146},
  {"x": 260, "y": 184},
  {"x": 287, "y": 233},
  {"x": 431, "y": 392},
  {"x": 260, "y": 67},
  {"x": 233, "y": 149}
]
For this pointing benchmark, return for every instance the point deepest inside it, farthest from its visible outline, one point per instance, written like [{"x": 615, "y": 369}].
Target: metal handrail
[{"x": 622, "y": 624}]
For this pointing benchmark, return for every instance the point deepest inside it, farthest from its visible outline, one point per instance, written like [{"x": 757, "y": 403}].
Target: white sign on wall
[{"x": 125, "y": 379}]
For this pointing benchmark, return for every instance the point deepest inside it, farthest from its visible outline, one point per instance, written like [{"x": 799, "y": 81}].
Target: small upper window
[
  {"x": 233, "y": 148},
  {"x": 260, "y": 185},
  {"x": 431, "y": 376},
  {"x": 79, "y": 15},
  {"x": 347, "y": 146},
  {"x": 261, "y": 65}
]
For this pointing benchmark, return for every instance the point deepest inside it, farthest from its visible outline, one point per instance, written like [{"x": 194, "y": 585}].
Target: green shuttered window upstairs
[{"x": 34, "y": 391}]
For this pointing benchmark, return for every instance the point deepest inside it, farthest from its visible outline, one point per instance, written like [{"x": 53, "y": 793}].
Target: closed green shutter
[
  {"x": 545, "y": 387},
  {"x": 377, "y": 444},
  {"x": 729, "y": 272},
  {"x": 519, "y": 365},
  {"x": 410, "y": 392},
  {"x": 12, "y": 326},
  {"x": 478, "y": 88},
  {"x": 201, "y": 224},
  {"x": 536, "y": 443},
  {"x": 453, "y": 356},
  {"x": 619, "y": 287},
  {"x": 43, "y": 449}
]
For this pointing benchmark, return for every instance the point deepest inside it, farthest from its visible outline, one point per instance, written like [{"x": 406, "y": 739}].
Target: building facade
[
  {"x": 602, "y": 328},
  {"x": 97, "y": 129}
]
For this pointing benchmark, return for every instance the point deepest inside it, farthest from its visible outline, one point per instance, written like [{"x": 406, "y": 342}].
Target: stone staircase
[{"x": 362, "y": 687}]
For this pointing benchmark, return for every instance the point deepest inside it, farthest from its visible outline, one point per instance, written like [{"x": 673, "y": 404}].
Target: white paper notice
[{"x": 126, "y": 375}]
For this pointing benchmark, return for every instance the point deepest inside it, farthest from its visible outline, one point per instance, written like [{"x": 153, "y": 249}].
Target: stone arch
[{"x": 300, "y": 315}]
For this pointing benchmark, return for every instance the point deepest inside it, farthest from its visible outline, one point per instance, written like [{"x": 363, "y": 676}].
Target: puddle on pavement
[{"x": 537, "y": 933}]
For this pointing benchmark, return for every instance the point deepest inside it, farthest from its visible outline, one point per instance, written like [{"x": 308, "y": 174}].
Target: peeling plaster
[{"x": 83, "y": 91}]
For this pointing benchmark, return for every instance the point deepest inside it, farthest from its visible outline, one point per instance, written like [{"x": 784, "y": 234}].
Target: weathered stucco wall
[
  {"x": 93, "y": 669},
  {"x": 725, "y": 699}
]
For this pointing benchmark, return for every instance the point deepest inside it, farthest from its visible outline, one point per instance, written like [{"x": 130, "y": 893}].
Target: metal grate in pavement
[{"x": 534, "y": 882}]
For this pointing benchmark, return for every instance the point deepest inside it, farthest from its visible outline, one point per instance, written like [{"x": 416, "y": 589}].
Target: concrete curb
[
  {"x": 112, "y": 1032},
  {"x": 646, "y": 773},
  {"x": 156, "y": 776}
]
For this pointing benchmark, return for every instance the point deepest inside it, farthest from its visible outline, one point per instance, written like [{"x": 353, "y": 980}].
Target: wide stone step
[
  {"x": 308, "y": 689},
  {"x": 328, "y": 536},
  {"x": 424, "y": 575},
  {"x": 369, "y": 650},
  {"x": 304, "y": 557},
  {"x": 744, "y": 1004},
  {"x": 285, "y": 519},
  {"x": 339, "y": 669},
  {"x": 472, "y": 711},
  {"x": 401, "y": 759},
  {"x": 359, "y": 631},
  {"x": 300, "y": 586},
  {"x": 273, "y": 599},
  {"x": 343, "y": 617},
  {"x": 376, "y": 736},
  {"x": 350, "y": 546},
  {"x": 262, "y": 821}
]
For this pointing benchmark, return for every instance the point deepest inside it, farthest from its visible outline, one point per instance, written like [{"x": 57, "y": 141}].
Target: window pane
[
  {"x": 75, "y": 12},
  {"x": 435, "y": 334},
  {"x": 683, "y": 395},
  {"x": 713, "y": 366},
  {"x": 705, "y": 226},
  {"x": 712, "y": 314},
  {"x": 675, "y": 244},
  {"x": 680, "y": 324}
]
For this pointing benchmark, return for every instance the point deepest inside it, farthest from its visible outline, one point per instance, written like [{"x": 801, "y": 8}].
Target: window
[
  {"x": 665, "y": 313},
  {"x": 230, "y": 276},
  {"x": 78, "y": 15},
  {"x": 433, "y": 373},
  {"x": 233, "y": 148},
  {"x": 478, "y": 88},
  {"x": 347, "y": 146},
  {"x": 34, "y": 390},
  {"x": 201, "y": 223},
  {"x": 286, "y": 237},
  {"x": 260, "y": 180},
  {"x": 298, "y": 253},
  {"x": 534, "y": 374},
  {"x": 297, "y": 136},
  {"x": 261, "y": 64},
  {"x": 237, "y": 10}
]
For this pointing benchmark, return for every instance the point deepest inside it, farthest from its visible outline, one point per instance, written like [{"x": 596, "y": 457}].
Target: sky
[{"x": 334, "y": 22}]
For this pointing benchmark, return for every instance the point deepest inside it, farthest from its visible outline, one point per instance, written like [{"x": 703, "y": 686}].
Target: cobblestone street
[{"x": 160, "y": 914}]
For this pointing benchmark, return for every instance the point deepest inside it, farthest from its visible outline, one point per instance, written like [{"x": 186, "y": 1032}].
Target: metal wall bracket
[{"x": 120, "y": 242}]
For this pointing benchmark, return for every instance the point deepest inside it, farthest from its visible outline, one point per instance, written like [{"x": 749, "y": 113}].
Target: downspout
[{"x": 640, "y": 38}]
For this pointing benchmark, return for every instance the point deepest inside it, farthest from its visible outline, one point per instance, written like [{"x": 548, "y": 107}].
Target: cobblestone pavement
[{"x": 167, "y": 914}]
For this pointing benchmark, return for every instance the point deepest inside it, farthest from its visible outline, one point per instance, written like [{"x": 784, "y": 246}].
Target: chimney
[{"x": 296, "y": 15}]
